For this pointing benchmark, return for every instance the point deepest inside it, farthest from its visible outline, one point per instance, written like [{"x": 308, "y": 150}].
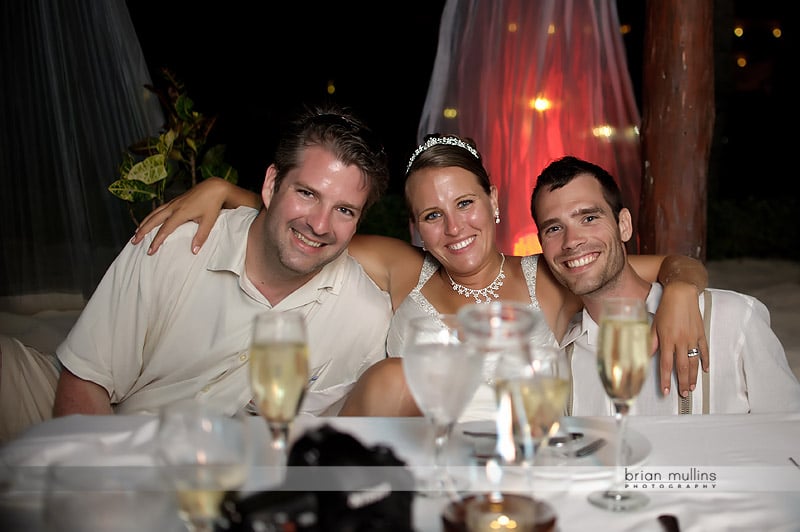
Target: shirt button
[
  {"x": 206, "y": 388},
  {"x": 243, "y": 357}
]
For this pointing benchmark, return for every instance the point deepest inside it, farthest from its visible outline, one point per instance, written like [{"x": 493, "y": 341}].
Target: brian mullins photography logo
[{"x": 671, "y": 479}]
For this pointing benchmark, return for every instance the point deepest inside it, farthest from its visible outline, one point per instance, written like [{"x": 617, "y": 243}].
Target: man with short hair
[
  {"x": 583, "y": 228},
  {"x": 177, "y": 325}
]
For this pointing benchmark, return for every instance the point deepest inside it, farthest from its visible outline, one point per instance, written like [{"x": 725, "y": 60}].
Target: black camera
[{"x": 334, "y": 484}]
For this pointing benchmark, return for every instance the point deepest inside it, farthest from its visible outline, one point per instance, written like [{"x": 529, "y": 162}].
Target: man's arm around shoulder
[{"x": 77, "y": 396}]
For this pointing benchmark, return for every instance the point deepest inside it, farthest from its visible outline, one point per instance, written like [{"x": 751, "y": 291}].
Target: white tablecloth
[{"x": 754, "y": 487}]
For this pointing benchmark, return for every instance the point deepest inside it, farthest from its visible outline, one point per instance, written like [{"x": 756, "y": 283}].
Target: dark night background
[{"x": 251, "y": 63}]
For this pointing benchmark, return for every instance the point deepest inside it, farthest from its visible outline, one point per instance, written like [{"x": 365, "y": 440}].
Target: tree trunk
[{"x": 677, "y": 126}]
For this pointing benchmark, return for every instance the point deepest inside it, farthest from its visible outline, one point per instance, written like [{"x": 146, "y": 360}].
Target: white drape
[
  {"x": 72, "y": 98},
  {"x": 495, "y": 58}
]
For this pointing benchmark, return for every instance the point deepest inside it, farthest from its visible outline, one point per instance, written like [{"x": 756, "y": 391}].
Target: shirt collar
[
  {"x": 229, "y": 255},
  {"x": 574, "y": 330},
  {"x": 582, "y": 323},
  {"x": 231, "y": 244}
]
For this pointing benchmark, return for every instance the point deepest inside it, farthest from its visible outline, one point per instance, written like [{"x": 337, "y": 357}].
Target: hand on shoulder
[{"x": 202, "y": 204}]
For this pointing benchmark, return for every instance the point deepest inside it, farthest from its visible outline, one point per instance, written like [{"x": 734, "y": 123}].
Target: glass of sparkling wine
[
  {"x": 544, "y": 391},
  {"x": 279, "y": 373},
  {"x": 623, "y": 357},
  {"x": 204, "y": 454}
]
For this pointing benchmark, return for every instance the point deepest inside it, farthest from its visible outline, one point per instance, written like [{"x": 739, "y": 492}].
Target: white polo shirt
[{"x": 176, "y": 325}]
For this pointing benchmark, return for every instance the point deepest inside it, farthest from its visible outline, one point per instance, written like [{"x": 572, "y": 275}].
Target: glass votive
[
  {"x": 510, "y": 512},
  {"x": 457, "y": 515}
]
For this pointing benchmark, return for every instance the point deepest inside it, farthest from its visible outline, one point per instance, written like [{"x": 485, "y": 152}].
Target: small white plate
[{"x": 597, "y": 465}]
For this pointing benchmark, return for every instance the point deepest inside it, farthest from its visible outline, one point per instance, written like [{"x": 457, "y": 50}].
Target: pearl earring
[{"x": 497, "y": 216}]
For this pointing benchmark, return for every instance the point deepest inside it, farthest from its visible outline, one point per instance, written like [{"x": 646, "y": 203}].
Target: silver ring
[{"x": 693, "y": 352}]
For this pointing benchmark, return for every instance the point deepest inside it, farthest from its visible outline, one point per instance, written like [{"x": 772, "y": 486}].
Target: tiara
[{"x": 433, "y": 141}]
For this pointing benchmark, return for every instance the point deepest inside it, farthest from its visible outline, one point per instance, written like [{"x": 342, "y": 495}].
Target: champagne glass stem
[
  {"x": 279, "y": 433},
  {"x": 621, "y": 420},
  {"x": 200, "y": 524}
]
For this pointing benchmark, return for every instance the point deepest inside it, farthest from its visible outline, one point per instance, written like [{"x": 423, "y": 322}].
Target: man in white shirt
[
  {"x": 177, "y": 325},
  {"x": 583, "y": 228}
]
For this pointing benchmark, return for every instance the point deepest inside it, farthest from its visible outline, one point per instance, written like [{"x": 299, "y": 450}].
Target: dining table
[{"x": 711, "y": 472}]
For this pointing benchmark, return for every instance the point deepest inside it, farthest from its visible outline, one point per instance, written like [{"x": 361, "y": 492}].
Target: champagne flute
[
  {"x": 623, "y": 357},
  {"x": 544, "y": 391},
  {"x": 205, "y": 453},
  {"x": 442, "y": 374},
  {"x": 279, "y": 373}
]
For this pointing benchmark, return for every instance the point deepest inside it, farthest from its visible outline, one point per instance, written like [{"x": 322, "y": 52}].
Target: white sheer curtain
[
  {"x": 72, "y": 98},
  {"x": 498, "y": 59}
]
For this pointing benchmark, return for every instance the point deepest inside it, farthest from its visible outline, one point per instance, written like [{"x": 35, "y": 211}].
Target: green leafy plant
[{"x": 157, "y": 168}]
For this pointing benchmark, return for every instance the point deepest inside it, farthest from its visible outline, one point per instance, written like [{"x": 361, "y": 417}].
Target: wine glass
[
  {"x": 205, "y": 454},
  {"x": 442, "y": 374},
  {"x": 623, "y": 356},
  {"x": 278, "y": 373}
]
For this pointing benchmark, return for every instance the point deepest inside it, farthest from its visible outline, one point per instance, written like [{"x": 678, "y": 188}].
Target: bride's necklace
[{"x": 486, "y": 293}]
